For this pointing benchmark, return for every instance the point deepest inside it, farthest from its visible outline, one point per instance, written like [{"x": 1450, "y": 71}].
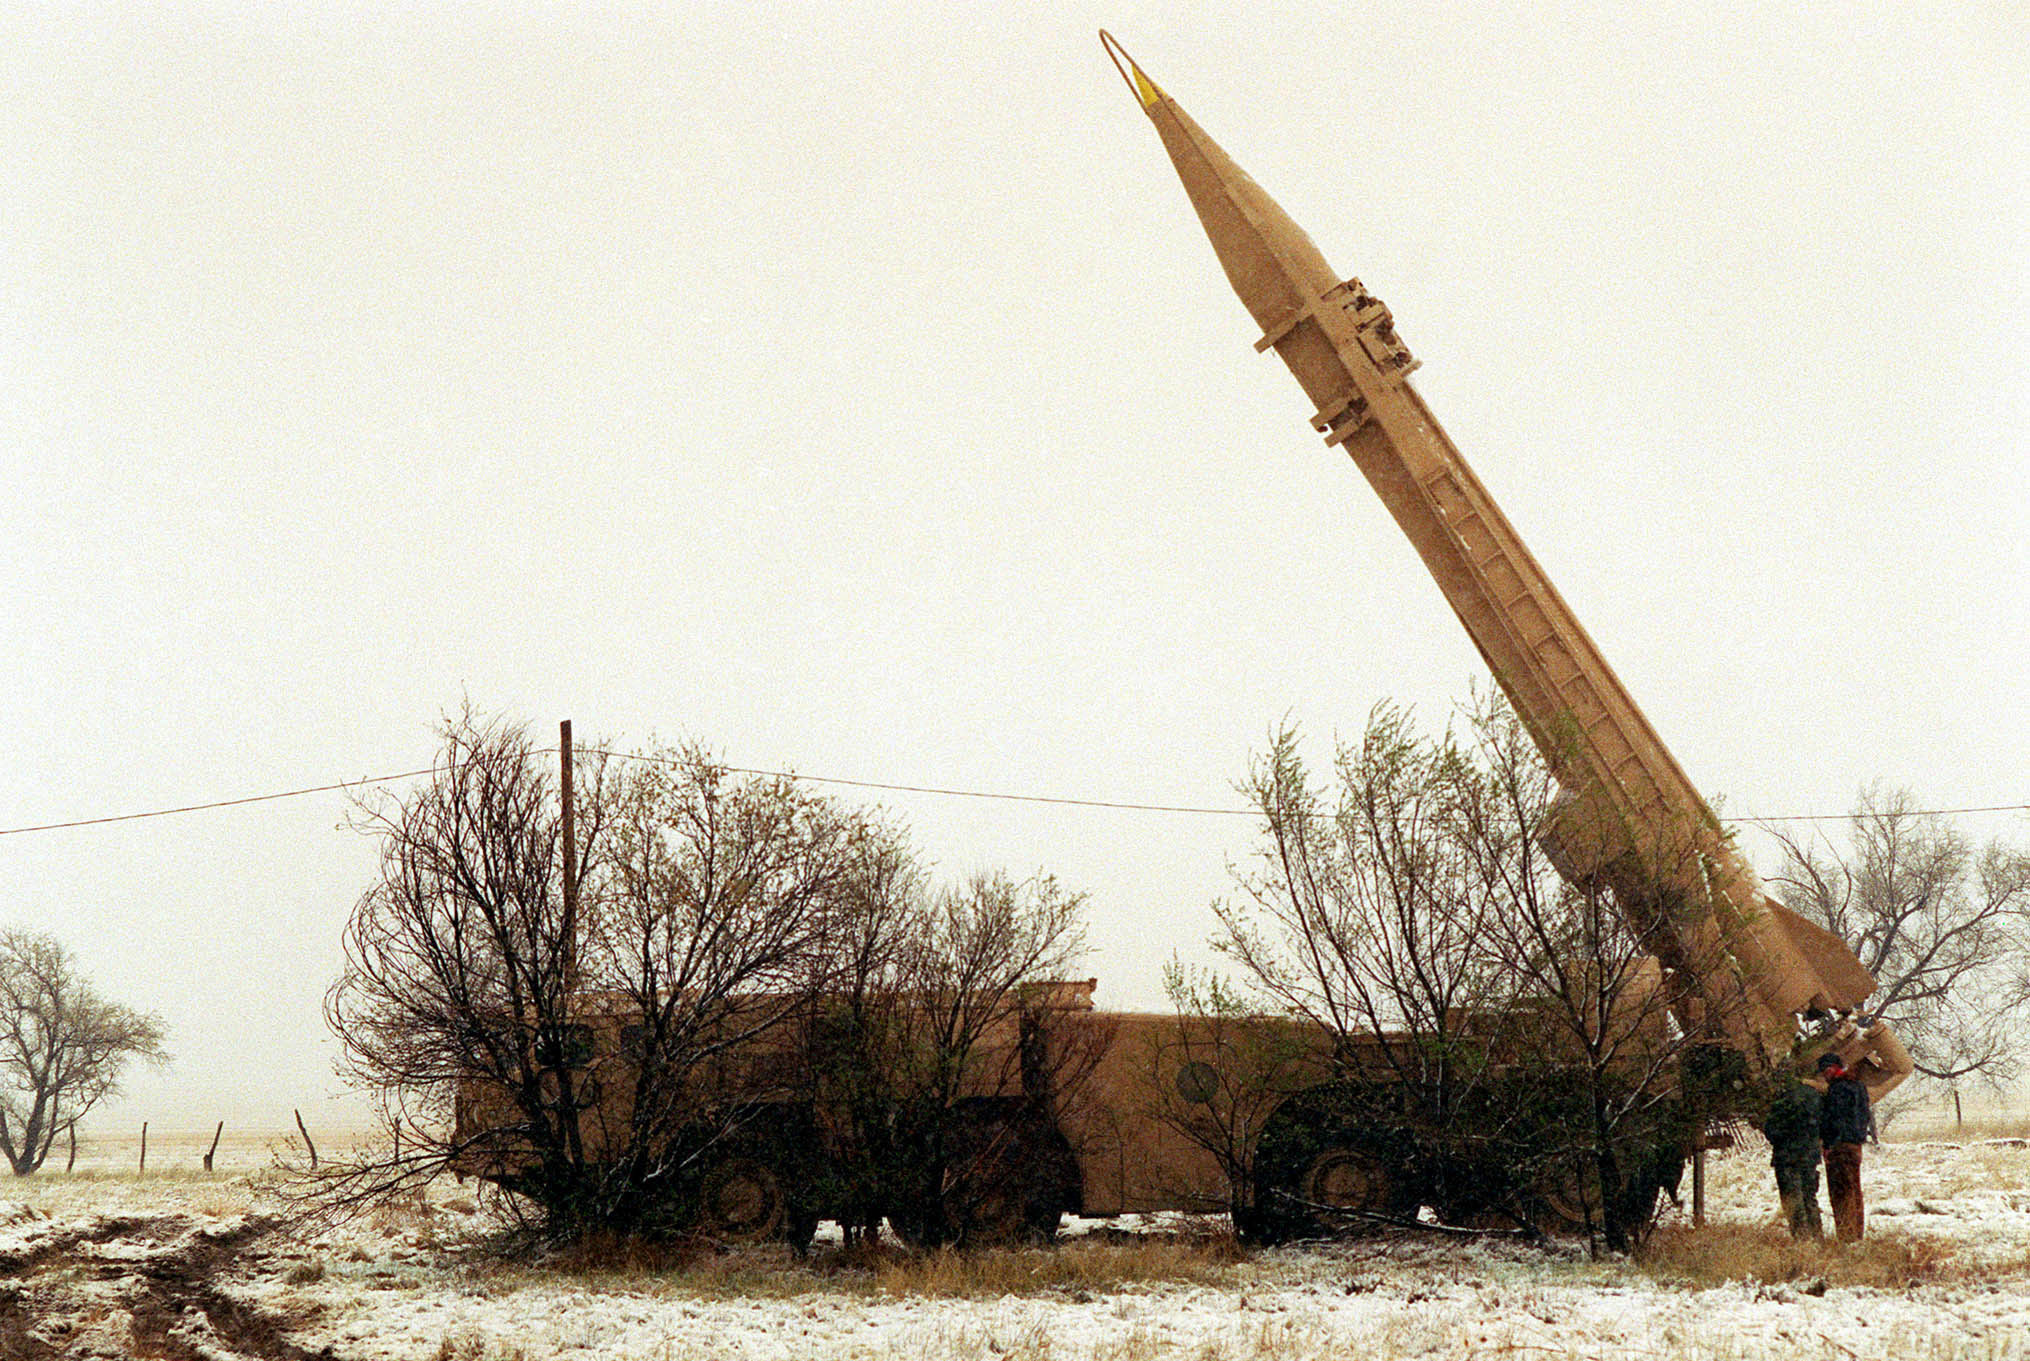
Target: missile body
[{"x": 1628, "y": 816}]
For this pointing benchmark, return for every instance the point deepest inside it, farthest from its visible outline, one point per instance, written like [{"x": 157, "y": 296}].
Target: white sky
[{"x": 851, "y": 387}]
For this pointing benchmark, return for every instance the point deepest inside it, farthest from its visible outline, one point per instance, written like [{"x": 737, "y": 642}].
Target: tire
[
  {"x": 1564, "y": 1195},
  {"x": 1012, "y": 1179},
  {"x": 741, "y": 1200},
  {"x": 1323, "y": 1153},
  {"x": 1347, "y": 1178}
]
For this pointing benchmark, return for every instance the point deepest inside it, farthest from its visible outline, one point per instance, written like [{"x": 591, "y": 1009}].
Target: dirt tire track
[
  {"x": 175, "y": 1307},
  {"x": 70, "y": 1240},
  {"x": 181, "y": 1283}
]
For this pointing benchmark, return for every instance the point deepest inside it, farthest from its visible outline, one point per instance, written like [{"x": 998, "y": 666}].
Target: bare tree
[
  {"x": 941, "y": 1057},
  {"x": 763, "y": 1011},
  {"x": 1943, "y": 925},
  {"x": 569, "y": 1065},
  {"x": 1364, "y": 920},
  {"x": 1504, "y": 1047},
  {"x": 857, "y": 1031},
  {"x": 457, "y": 968},
  {"x": 1221, "y": 1073},
  {"x": 716, "y": 916},
  {"x": 1615, "y": 1084},
  {"x": 62, "y": 1047}
]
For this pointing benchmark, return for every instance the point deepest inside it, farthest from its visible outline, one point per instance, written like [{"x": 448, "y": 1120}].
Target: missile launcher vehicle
[{"x": 1071, "y": 1109}]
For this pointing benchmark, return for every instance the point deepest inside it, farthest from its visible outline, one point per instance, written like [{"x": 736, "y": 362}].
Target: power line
[
  {"x": 1189, "y": 808},
  {"x": 1009, "y": 798},
  {"x": 1914, "y": 812},
  {"x": 217, "y": 803},
  {"x": 957, "y": 793},
  {"x": 885, "y": 787}
]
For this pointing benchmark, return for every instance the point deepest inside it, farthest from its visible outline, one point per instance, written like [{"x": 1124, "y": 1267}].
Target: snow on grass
[{"x": 1946, "y": 1274}]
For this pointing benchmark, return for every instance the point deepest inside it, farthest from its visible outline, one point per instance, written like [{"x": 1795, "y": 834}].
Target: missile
[{"x": 1627, "y": 816}]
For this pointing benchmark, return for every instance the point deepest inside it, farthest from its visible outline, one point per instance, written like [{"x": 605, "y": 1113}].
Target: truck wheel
[
  {"x": 992, "y": 1215},
  {"x": 1038, "y": 1181},
  {"x": 1012, "y": 1178},
  {"x": 1346, "y": 1178},
  {"x": 1023, "y": 1197},
  {"x": 1565, "y": 1194},
  {"x": 1340, "y": 1176},
  {"x": 741, "y": 1200}
]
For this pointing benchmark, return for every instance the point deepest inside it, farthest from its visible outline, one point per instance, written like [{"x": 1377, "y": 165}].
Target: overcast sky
[{"x": 851, "y": 387}]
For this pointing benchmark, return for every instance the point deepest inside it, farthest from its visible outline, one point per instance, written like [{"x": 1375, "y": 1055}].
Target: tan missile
[{"x": 1628, "y": 815}]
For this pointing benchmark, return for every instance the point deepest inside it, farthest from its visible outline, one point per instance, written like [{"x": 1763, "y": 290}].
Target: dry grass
[
  {"x": 1073, "y": 1268},
  {"x": 600, "y": 1255},
  {"x": 1720, "y": 1253},
  {"x": 1035, "y": 1340},
  {"x": 471, "y": 1346},
  {"x": 306, "y": 1273},
  {"x": 696, "y": 1268},
  {"x": 1924, "y": 1125},
  {"x": 1083, "y": 1269}
]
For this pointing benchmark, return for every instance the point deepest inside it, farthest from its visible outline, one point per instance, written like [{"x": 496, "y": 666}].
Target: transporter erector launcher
[{"x": 1628, "y": 817}]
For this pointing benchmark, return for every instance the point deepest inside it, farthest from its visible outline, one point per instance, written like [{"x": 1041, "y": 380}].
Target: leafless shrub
[
  {"x": 562, "y": 1057},
  {"x": 937, "y": 1061},
  {"x": 1502, "y": 1046}
]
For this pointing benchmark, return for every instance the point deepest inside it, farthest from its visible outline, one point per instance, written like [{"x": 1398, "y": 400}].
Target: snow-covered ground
[{"x": 184, "y": 1265}]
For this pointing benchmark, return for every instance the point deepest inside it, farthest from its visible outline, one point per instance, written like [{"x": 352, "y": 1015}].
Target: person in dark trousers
[
  {"x": 1846, "y": 1119},
  {"x": 1792, "y": 1127}
]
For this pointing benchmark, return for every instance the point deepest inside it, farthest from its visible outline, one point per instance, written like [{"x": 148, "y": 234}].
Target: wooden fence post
[
  {"x": 214, "y": 1145},
  {"x": 1699, "y": 1186},
  {"x": 71, "y": 1166},
  {"x": 144, "y": 1148},
  {"x": 306, "y": 1139}
]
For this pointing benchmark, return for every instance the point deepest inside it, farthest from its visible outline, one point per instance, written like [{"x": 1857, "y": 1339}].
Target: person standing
[
  {"x": 1846, "y": 1119},
  {"x": 1792, "y": 1127}
]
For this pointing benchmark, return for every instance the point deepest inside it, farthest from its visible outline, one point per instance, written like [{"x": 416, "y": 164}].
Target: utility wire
[
  {"x": 931, "y": 789},
  {"x": 939, "y": 790},
  {"x": 219, "y": 803},
  {"x": 1174, "y": 807},
  {"x": 1914, "y": 812}
]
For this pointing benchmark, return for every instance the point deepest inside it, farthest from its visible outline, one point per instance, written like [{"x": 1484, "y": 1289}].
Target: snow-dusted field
[{"x": 180, "y": 1264}]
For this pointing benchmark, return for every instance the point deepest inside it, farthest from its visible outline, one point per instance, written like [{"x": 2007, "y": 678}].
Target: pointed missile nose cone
[
  {"x": 1270, "y": 261},
  {"x": 1144, "y": 88}
]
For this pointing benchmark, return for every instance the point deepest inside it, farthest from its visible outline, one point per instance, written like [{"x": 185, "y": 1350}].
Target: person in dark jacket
[
  {"x": 1846, "y": 1119},
  {"x": 1792, "y": 1127}
]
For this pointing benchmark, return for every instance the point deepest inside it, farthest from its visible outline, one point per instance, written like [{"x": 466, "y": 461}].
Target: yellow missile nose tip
[{"x": 1145, "y": 89}]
